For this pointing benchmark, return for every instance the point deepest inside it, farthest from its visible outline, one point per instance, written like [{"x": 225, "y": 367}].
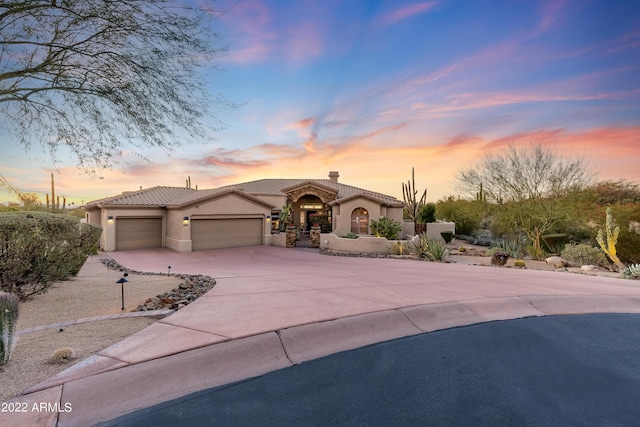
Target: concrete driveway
[{"x": 275, "y": 307}]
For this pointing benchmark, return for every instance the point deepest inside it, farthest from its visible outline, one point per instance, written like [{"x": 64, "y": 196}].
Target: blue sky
[{"x": 374, "y": 88}]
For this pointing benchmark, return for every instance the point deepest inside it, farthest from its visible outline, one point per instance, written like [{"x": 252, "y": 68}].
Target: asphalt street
[{"x": 569, "y": 370}]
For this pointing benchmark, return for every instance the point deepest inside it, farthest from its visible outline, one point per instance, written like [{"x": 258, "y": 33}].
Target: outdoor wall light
[
  {"x": 110, "y": 218},
  {"x": 185, "y": 220}
]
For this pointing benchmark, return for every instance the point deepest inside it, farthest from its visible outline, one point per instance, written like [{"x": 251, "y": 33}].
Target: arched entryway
[
  {"x": 305, "y": 208},
  {"x": 360, "y": 221}
]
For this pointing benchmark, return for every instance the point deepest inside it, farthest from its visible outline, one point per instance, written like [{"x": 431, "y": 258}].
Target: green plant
[
  {"x": 38, "y": 248},
  {"x": 447, "y": 236},
  {"x": 322, "y": 221},
  {"x": 398, "y": 248},
  {"x": 426, "y": 247},
  {"x": 427, "y": 213},
  {"x": 462, "y": 249},
  {"x": 9, "y": 305},
  {"x": 499, "y": 258},
  {"x": 519, "y": 263},
  {"x": 350, "y": 236},
  {"x": 285, "y": 216},
  {"x": 386, "y": 227},
  {"x": 513, "y": 246},
  {"x": 631, "y": 272},
  {"x": 584, "y": 255},
  {"x": 608, "y": 237}
]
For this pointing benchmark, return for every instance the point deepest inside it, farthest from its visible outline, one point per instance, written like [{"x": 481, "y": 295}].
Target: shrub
[
  {"x": 9, "y": 305},
  {"x": 631, "y": 272},
  {"x": 426, "y": 247},
  {"x": 350, "y": 236},
  {"x": 513, "y": 246},
  {"x": 499, "y": 258},
  {"x": 427, "y": 213},
  {"x": 447, "y": 236},
  {"x": 38, "y": 248},
  {"x": 398, "y": 248},
  {"x": 386, "y": 227},
  {"x": 584, "y": 255},
  {"x": 322, "y": 221}
]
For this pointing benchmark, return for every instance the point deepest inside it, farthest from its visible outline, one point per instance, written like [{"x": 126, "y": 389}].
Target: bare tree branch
[{"x": 95, "y": 75}]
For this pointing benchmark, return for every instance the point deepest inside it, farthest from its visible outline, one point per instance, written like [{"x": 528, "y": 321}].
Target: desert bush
[
  {"x": 465, "y": 214},
  {"x": 427, "y": 213},
  {"x": 38, "y": 248},
  {"x": 631, "y": 272},
  {"x": 9, "y": 305},
  {"x": 499, "y": 258},
  {"x": 426, "y": 247},
  {"x": 447, "y": 236},
  {"x": 386, "y": 227},
  {"x": 584, "y": 255},
  {"x": 398, "y": 248},
  {"x": 322, "y": 221},
  {"x": 514, "y": 246}
]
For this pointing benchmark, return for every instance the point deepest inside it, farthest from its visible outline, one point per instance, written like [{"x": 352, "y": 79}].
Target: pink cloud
[{"x": 403, "y": 13}]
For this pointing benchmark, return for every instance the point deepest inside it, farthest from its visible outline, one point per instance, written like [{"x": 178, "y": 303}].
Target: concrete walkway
[{"x": 275, "y": 307}]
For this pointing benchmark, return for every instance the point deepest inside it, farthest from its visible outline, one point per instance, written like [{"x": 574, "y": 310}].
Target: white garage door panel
[
  {"x": 138, "y": 233},
  {"x": 225, "y": 233}
]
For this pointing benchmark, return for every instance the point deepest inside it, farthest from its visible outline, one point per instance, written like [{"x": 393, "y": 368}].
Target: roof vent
[{"x": 333, "y": 176}]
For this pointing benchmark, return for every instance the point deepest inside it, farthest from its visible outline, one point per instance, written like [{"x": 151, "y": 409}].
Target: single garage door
[
  {"x": 138, "y": 233},
  {"x": 225, "y": 233}
]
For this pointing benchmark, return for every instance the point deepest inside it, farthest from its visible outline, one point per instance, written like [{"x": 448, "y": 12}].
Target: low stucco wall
[
  {"x": 279, "y": 240},
  {"x": 433, "y": 229},
  {"x": 363, "y": 244}
]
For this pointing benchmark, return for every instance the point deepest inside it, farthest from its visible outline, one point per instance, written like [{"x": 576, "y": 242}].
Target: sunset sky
[{"x": 373, "y": 88}]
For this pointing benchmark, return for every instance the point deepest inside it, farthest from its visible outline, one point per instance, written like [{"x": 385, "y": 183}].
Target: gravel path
[{"x": 92, "y": 293}]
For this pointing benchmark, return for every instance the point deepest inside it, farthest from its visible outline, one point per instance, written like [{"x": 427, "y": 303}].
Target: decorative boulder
[{"x": 557, "y": 262}]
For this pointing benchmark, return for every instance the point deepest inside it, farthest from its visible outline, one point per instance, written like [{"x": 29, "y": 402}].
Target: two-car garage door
[{"x": 225, "y": 233}]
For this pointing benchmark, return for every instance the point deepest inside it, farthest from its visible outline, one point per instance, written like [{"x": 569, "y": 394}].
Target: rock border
[{"x": 192, "y": 288}]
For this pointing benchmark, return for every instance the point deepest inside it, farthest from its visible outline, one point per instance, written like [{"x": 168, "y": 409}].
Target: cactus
[
  {"x": 631, "y": 272},
  {"x": 62, "y": 355},
  {"x": 519, "y": 263},
  {"x": 608, "y": 238},
  {"x": 410, "y": 195},
  {"x": 8, "y": 319}
]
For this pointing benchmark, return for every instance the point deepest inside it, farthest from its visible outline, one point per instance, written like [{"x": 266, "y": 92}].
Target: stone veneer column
[
  {"x": 291, "y": 236},
  {"x": 315, "y": 237}
]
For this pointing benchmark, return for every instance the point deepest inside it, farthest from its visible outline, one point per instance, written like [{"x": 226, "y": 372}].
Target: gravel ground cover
[{"x": 92, "y": 293}]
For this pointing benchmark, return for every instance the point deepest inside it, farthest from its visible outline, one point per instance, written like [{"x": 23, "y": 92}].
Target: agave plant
[{"x": 631, "y": 272}]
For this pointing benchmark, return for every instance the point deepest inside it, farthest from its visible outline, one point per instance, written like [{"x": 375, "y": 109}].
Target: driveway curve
[{"x": 276, "y": 307}]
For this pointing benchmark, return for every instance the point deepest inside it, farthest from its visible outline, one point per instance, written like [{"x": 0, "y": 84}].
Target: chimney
[{"x": 333, "y": 176}]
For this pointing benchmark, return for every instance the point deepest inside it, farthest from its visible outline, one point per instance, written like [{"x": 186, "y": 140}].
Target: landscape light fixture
[
  {"x": 122, "y": 281},
  {"x": 169, "y": 274},
  {"x": 185, "y": 220}
]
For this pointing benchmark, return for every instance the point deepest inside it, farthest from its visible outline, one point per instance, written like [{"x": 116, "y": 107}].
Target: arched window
[{"x": 360, "y": 221}]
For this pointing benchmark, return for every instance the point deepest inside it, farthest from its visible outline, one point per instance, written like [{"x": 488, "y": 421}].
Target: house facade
[{"x": 245, "y": 214}]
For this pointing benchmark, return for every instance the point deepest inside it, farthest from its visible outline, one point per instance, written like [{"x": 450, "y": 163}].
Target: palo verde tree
[
  {"x": 528, "y": 185},
  {"x": 92, "y": 75}
]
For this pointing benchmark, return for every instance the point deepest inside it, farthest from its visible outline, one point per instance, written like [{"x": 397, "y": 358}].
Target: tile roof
[
  {"x": 180, "y": 196},
  {"x": 154, "y": 196}
]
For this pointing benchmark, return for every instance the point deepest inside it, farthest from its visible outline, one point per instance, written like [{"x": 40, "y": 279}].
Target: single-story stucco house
[{"x": 245, "y": 214}]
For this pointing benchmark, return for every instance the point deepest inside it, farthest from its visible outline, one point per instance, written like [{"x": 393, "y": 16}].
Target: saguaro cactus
[
  {"x": 608, "y": 237},
  {"x": 411, "y": 201},
  {"x": 8, "y": 320}
]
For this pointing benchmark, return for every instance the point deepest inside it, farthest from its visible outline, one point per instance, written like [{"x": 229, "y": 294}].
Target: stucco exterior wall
[
  {"x": 433, "y": 229},
  {"x": 108, "y": 238},
  {"x": 343, "y": 218},
  {"x": 363, "y": 244}
]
